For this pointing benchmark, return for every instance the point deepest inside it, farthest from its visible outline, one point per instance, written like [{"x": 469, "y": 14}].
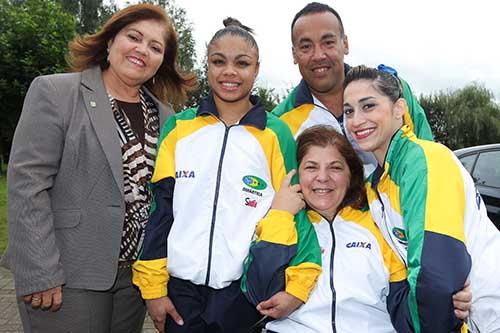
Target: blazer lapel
[{"x": 101, "y": 116}]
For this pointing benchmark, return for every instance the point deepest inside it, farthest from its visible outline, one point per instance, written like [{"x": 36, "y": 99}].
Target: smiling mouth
[
  {"x": 230, "y": 86},
  {"x": 136, "y": 61},
  {"x": 364, "y": 133},
  {"x": 322, "y": 190},
  {"x": 320, "y": 70}
]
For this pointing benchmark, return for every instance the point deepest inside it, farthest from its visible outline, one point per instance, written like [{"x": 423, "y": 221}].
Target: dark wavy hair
[
  {"x": 324, "y": 136},
  {"x": 169, "y": 84}
]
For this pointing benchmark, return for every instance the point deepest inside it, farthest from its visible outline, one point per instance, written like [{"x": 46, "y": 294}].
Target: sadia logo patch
[
  {"x": 399, "y": 233},
  {"x": 250, "y": 203},
  {"x": 254, "y": 182}
]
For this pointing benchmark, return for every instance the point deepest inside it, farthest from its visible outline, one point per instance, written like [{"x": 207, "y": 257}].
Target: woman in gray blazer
[{"x": 81, "y": 159}]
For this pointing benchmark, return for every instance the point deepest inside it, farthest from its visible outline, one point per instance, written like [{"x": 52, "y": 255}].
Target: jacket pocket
[{"x": 66, "y": 218}]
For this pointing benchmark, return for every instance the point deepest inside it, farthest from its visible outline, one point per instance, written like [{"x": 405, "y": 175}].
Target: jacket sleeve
[
  {"x": 37, "y": 147},
  {"x": 397, "y": 305},
  {"x": 286, "y": 254},
  {"x": 415, "y": 116},
  {"x": 432, "y": 203},
  {"x": 150, "y": 270},
  {"x": 399, "y": 289}
]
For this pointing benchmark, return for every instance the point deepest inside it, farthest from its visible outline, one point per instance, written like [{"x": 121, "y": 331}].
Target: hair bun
[{"x": 229, "y": 21}]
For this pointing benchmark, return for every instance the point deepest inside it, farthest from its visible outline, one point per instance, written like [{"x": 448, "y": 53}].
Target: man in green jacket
[{"x": 319, "y": 46}]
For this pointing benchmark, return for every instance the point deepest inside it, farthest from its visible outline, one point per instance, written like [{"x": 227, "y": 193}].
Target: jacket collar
[
  {"x": 255, "y": 117},
  {"x": 393, "y": 152}
]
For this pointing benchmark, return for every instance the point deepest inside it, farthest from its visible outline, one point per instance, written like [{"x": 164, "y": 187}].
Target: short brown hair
[
  {"x": 324, "y": 136},
  {"x": 170, "y": 86}
]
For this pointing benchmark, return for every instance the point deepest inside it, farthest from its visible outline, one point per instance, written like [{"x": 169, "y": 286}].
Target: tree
[
  {"x": 202, "y": 90},
  {"x": 89, "y": 14},
  {"x": 465, "y": 117},
  {"x": 34, "y": 36},
  {"x": 473, "y": 117},
  {"x": 435, "y": 109},
  {"x": 268, "y": 97}
]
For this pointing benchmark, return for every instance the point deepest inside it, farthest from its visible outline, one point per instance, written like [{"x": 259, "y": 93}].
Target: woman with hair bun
[{"x": 217, "y": 170}]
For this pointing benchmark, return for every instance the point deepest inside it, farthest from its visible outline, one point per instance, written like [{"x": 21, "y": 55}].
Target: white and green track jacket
[
  {"x": 429, "y": 210},
  {"x": 212, "y": 184},
  {"x": 363, "y": 285}
]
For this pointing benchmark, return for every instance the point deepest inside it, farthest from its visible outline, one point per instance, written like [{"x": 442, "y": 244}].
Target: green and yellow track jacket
[
  {"x": 212, "y": 184},
  {"x": 428, "y": 209}
]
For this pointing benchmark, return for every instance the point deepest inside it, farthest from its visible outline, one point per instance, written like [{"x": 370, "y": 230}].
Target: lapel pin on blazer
[{"x": 93, "y": 104}]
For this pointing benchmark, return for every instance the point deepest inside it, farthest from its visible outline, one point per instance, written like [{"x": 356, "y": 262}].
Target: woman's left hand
[
  {"x": 280, "y": 305},
  {"x": 289, "y": 198}
]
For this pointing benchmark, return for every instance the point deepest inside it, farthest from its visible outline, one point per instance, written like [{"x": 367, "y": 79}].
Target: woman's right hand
[
  {"x": 289, "y": 198},
  {"x": 50, "y": 299},
  {"x": 158, "y": 310},
  {"x": 279, "y": 306}
]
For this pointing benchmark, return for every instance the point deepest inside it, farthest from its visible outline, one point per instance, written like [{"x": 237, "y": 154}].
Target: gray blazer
[{"x": 65, "y": 186}]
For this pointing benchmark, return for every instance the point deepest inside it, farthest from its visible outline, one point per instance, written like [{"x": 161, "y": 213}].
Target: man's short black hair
[{"x": 316, "y": 7}]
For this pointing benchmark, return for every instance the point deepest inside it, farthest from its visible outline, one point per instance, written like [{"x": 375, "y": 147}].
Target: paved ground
[{"x": 9, "y": 316}]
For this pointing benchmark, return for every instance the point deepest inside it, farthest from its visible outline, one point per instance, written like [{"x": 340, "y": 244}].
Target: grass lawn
[{"x": 3, "y": 213}]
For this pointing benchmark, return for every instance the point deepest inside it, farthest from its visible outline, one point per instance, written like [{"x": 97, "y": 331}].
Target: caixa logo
[
  {"x": 254, "y": 182},
  {"x": 365, "y": 245},
  {"x": 184, "y": 174}
]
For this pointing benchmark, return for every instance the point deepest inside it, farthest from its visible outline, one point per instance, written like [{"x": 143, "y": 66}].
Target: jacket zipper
[
  {"x": 381, "y": 204},
  {"x": 332, "y": 287},
  {"x": 341, "y": 124},
  {"x": 216, "y": 198}
]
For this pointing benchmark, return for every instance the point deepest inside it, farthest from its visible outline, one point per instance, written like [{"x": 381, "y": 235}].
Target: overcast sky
[{"x": 435, "y": 45}]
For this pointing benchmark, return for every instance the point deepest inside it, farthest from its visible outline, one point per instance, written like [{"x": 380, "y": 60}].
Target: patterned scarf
[{"x": 138, "y": 163}]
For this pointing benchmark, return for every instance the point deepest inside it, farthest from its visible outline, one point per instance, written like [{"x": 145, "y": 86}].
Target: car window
[
  {"x": 487, "y": 170},
  {"x": 468, "y": 161}
]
